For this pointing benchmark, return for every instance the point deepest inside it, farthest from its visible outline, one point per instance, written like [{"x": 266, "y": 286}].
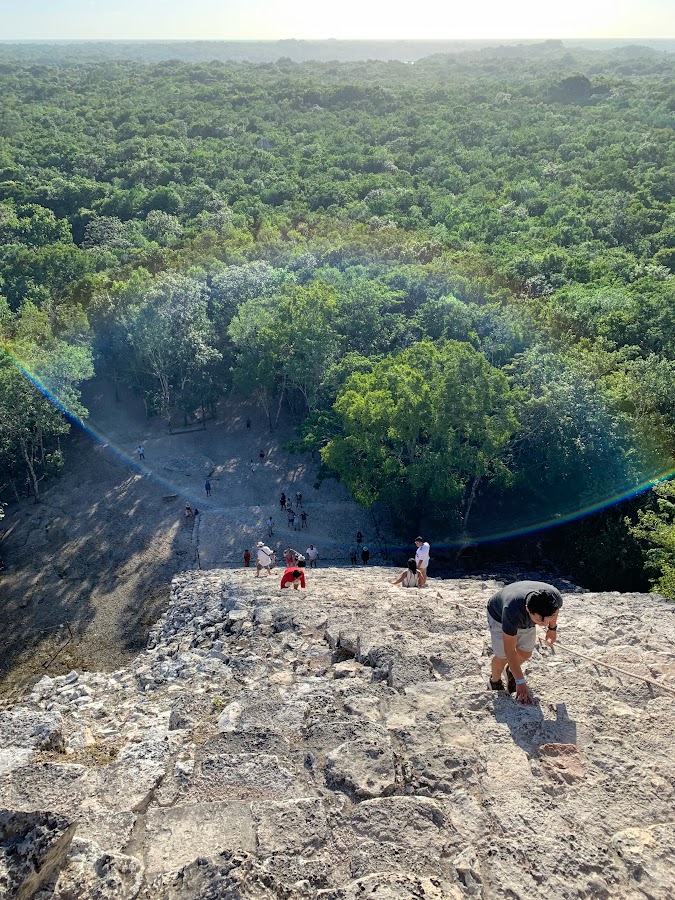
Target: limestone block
[
  {"x": 395, "y": 886},
  {"x": 43, "y": 786},
  {"x": 33, "y": 846},
  {"x": 364, "y": 767},
  {"x": 248, "y": 776},
  {"x": 36, "y": 729},
  {"x": 290, "y": 825},
  {"x": 97, "y": 875},
  {"x": 562, "y": 762},
  {"x": 180, "y": 834},
  {"x": 13, "y": 758}
]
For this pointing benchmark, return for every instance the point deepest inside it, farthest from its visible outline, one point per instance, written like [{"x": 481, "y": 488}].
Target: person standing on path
[
  {"x": 303, "y": 519},
  {"x": 270, "y": 526},
  {"x": 365, "y": 555},
  {"x": 512, "y": 614},
  {"x": 207, "y": 488},
  {"x": 187, "y": 514},
  {"x": 352, "y": 555},
  {"x": 312, "y": 555},
  {"x": 141, "y": 451},
  {"x": 263, "y": 559},
  {"x": 289, "y": 556},
  {"x": 247, "y": 558},
  {"x": 422, "y": 559},
  {"x": 282, "y": 501},
  {"x": 296, "y": 522},
  {"x": 262, "y": 455},
  {"x": 359, "y": 539},
  {"x": 248, "y": 423},
  {"x": 298, "y": 499},
  {"x": 252, "y": 465}
]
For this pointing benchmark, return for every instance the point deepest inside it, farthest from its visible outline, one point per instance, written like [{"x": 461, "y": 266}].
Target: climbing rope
[{"x": 597, "y": 662}]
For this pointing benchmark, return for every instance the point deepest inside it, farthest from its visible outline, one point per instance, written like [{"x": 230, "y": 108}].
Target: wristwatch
[{"x": 551, "y": 627}]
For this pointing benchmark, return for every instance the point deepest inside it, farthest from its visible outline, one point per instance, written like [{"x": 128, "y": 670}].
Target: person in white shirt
[
  {"x": 270, "y": 527},
  {"x": 312, "y": 555},
  {"x": 264, "y": 559},
  {"x": 422, "y": 559}
]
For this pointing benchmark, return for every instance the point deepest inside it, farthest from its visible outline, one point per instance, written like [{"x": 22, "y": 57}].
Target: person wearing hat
[
  {"x": 264, "y": 559},
  {"x": 422, "y": 559},
  {"x": 512, "y": 614}
]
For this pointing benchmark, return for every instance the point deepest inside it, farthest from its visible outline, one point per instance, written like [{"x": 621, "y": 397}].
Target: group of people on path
[{"x": 415, "y": 575}]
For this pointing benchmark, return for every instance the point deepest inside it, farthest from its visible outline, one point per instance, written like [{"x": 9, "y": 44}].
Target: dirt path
[{"x": 94, "y": 559}]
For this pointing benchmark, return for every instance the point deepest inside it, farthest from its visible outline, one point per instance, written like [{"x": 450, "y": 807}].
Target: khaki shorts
[{"x": 526, "y": 638}]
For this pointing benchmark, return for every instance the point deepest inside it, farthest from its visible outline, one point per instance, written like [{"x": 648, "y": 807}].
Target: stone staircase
[{"x": 339, "y": 742}]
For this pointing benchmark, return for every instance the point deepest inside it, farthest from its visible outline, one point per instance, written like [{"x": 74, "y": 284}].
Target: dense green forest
[{"x": 457, "y": 275}]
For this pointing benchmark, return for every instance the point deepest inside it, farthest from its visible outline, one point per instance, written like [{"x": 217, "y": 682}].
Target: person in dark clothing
[
  {"x": 207, "y": 488},
  {"x": 247, "y": 558},
  {"x": 248, "y": 423},
  {"x": 512, "y": 614},
  {"x": 359, "y": 538},
  {"x": 365, "y": 555},
  {"x": 282, "y": 502}
]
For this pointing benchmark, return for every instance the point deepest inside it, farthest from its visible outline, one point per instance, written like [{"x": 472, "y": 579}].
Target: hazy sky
[{"x": 355, "y": 19}]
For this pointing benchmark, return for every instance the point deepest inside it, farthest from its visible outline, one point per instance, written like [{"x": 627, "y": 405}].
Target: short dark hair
[
  {"x": 412, "y": 565},
  {"x": 541, "y": 603},
  {"x": 420, "y": 539},
  {"x": 296, "y": 574}
]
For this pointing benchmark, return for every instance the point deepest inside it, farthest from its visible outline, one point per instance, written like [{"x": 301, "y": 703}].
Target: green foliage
[
  {"x": 422, "y": 430},
  {"x": 456, "y": 276},
  {"x": 655, "y": 528}
]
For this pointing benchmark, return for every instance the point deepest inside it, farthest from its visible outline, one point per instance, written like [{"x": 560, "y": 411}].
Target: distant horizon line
[{"x": 389, "y": 40}]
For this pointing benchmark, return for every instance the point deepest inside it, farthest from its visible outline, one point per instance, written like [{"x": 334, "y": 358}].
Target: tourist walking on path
[
  {"x": 247, "y": 558},
  {"x": 422, "y": 558},
  {"x": 296, "y": 522},
  {"x": 207, "y": 488},
  {"x": 303, "y": 519},
  {"x": 270, "y": 526},
  {"x": 262, "y": 455},
  {"x": 293, "y": 577},
  {"x": 264, "y": 559},
  {"x": 291, "y": 516},
  {"x": 282, "y": 502},
  {"x": 352, "y": 555},
  {"x": 359, "y": 539},
  {"x": 252, "y": 466},
  {"x": 248, "y": 423},
  {"x": 312, "y": 555},
  {"x": 187, "y": 513},
  {"x": 409, "y": 577},
  {"x": 289, "y": 556},
  {"x": 141, "y": 451},
  {"x": 512, "y": 614},
  {"x": 298, "y": 499},
  {"x": 365, "y": 555}
]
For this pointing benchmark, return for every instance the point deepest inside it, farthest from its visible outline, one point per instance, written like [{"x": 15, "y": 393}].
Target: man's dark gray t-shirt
[{"x": 508, "y": 605}]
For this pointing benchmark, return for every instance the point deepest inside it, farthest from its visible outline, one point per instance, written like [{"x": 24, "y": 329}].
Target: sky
[{"x": 348, "y": 19}]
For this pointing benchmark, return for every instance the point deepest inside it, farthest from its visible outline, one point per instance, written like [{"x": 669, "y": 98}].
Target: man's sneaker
[
  {"x": 495, "y": 685},
  {"x": 510, "y": 681}
]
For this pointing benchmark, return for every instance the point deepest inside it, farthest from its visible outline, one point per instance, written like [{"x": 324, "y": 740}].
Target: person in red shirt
[{"x": 293, "y": 576}]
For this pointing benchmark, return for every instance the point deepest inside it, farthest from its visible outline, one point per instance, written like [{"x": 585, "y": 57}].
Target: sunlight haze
[{"x": 351, "y": 20}]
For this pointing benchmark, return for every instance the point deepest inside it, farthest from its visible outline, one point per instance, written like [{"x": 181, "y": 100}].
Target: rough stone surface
[
  {"x": 32, "y": 847},
  {"x": 171, "y": 835},
  {"x": 340, "y": 743}
]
